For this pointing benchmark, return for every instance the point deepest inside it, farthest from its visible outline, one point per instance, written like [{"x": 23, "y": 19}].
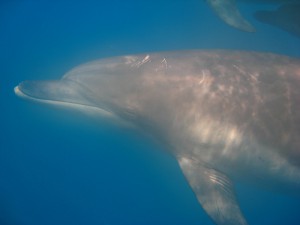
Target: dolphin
[
  {"x": 225, "y": 116},
  {"x": 286, "y": 17},
  {"x": 227, "y": 10}
]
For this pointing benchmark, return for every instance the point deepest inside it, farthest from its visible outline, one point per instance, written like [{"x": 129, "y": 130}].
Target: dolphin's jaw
[{"x": 81, "y": 107}]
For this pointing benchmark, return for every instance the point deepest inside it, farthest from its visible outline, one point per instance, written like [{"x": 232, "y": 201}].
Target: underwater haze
[{"x": 61, "y": 167}]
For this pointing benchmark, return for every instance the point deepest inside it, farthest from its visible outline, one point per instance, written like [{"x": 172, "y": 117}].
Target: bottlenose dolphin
[
  {"x": 227, "y": 10},
  {"x": 224, "y": 115},
  {"x": 286, "y": 17}
]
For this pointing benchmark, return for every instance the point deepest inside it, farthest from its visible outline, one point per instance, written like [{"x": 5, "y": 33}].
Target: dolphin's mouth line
[
  {"x": 102, "y": 111},
  {"x": 21, "y": 94}
]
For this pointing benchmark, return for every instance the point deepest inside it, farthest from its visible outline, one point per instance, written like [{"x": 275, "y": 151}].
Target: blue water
[{"x": 60, "y": 167}]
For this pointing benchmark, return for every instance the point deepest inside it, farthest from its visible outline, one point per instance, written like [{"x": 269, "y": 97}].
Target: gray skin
[
  {"x": 224, "y": 115},
  {"x": 228, "y": 11},
  {"x": 286, "y": 17}
]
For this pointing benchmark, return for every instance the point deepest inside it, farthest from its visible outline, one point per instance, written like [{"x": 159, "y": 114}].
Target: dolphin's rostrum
[{"x": 224, "y": 115}]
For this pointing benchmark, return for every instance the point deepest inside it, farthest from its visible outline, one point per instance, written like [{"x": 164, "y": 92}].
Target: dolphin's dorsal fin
[
  {"x": 214, "y": 192},
  {"x": 229, "y": 13}
]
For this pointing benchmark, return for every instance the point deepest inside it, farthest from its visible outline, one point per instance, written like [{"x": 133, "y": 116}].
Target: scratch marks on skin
[
  {"x": 251, "y": 76},
  {"x": 253, "y": 81},
  {"x": 129, "y": 60},
  {"x": 204, "y": 76},
  {"x": 163, "y": 65},
  {"x": 145, "y": 60},
  {"x": 239, "y": 69},
  {"x": 134, "y": 61},
  {"x": 289, "y": 100},
  {"x": 137, "y": 62},
  {"x": 288, "y": 115}
]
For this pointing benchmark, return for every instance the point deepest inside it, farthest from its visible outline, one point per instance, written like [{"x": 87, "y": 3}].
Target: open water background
[{"x": 60, "y": 167}]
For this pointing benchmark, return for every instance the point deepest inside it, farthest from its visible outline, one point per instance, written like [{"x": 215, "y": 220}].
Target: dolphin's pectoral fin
[
  {"x": 229, "y": 13},
  {"x": 214, "y": 191}
]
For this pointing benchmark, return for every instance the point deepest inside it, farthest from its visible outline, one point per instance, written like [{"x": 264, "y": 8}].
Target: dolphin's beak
[
  {"x": 64, "y": 93},
  {"x": 40, "y": 90},
  {"x": 53, "y": 91}
]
